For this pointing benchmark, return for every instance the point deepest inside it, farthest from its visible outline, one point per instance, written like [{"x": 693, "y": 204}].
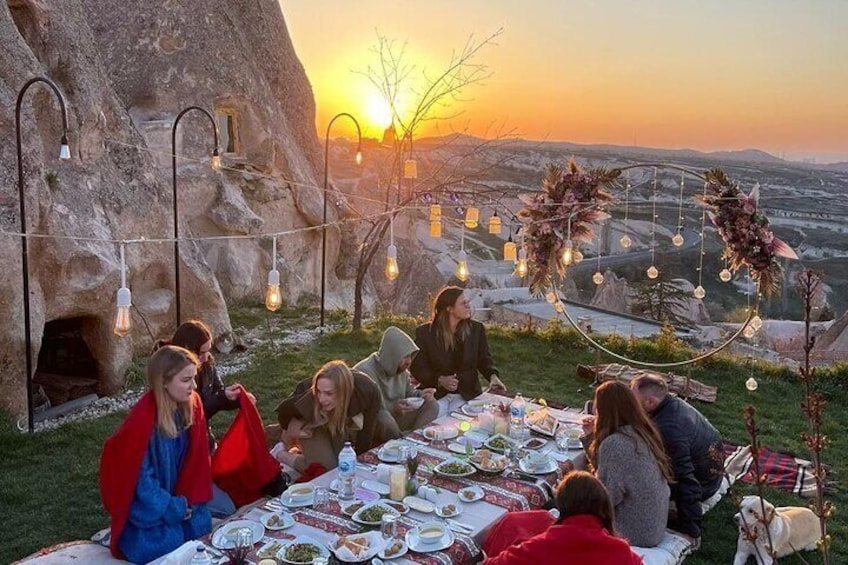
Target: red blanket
[
  {"x": 123, "y": 454},
  {"x": 242, "y": 465}
]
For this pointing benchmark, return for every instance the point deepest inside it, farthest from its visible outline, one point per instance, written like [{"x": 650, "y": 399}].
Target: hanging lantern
[
  {"x": 472, "y": 217},
  {"x": 749, "y": 332},
  {"x": 598, "y": 278},
  {"x": 392, "y": 270},
  {"x": 677, "y": 240},
  {"x": 435, "y": 213},
  {"x": 521, "y": 266},
  {"x": 273, "y": 298},
  {"x": 568, "y": 253},
  {"x": 436, "y": 228},
  {"x": 699, "y": 292},
  {"x": 123, "y": 317},
  {"x": 559, "y": 308},
  {"x": 725, "y": 275},
  {"x": 751, "y": 384},
  {"x": 551, "y": 297},
  {"x": 495, "y": 224},
  {"x": 578, "y": 256},
  {"x": 625, "y": 241},
  {"x": 410, "y": 169},
  {"x": 462, "y": 272},
  {"x": 756, "y": 323},
  {"x": 509, "y": 250},
  {"x": 652, "y": 272}
]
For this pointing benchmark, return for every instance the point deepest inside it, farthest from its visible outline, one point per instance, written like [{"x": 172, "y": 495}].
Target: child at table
[
  {"x": 155, "y": 473},
  {"x": 583, "y": 533}
]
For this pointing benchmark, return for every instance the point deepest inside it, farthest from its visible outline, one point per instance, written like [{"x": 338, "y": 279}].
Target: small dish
[
  {"x": 534, "y": 443},
  {"x": 270, "y": 549},
  {"x": 389, "y": 452},
  {"x": 448, "y": 510},
  {"x": 399, "y": 506},
  {"x": 461, "y": 448},
  {"x": 376, "y": 486},
  {"x": 419, "y": 504},
  {"x": 499, "y": 442},
  {"x": 440, "y": 433},
  {"x": 286, "y": 554},
  {"x": 299, "y": 493},
  {"x": 355, "y": 548},
  {"x": 350, "y": 508},
  {"x": 394, "y": 548},
  {"x": 414, "y": 402},
  {"x": 538, "y": 464},
  {"x": 471, "y": 494},
  {"x": 372, "y": 513},
  {"x": 277, "y": 521},
  {"x": 473, "y": 407},
  {"x": 430, "y": 543},
  {"x": 454, "y": 467},
  {"x": 225, "y": 536}
]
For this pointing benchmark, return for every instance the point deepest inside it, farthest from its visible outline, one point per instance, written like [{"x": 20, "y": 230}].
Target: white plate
[
  {"x": 415, "y": 402},
  {"x": 376, "y": 486},
  {"x": 543, "y": 431},
  {"x": 460, "y": 448},
  {"x": 476, "y": 437},
  {"x": 357, "y": 516},
  {"x": 222, "y": 539},
  {"x": 404, "y": 548},
  {"x": 281, "y": 555},
  {"x": 488, "y": 442},
  {"x": 346, "y": 505},
  {"x": 373, "y": 539},
  {"x": 473, "y": 407},
  {"x": 389, "y": 451},
  {"x": 419, "y": 504},
  {"x": 549, "y": 467},
  {"x": 284, "y": 521},
  {"x": 442, "y": 513},
  {"x": 539, "y": 443},
  {"x": 414, "y": 542},
  {"x": 286, "y": 500},
  {"x": 438, "y": 468},
  {"x": 475, "y": 490},
  {"x": 270, "y": 549},
  {"x": 439, "y": 433},
  {"x": 399, "y": 506}
]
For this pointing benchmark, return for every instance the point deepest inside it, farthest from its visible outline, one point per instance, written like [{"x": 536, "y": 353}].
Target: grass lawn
[{"x": 49, "y": 482}]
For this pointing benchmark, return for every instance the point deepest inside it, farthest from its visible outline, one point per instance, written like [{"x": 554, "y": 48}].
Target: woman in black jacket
[
  {"x": 334, "y": 406},
  {"x": 453, "y": 350}
]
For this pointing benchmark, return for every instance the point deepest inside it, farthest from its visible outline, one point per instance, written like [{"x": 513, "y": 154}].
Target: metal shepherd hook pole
[
  {"x": 216, "y": 163},
  {"x": 64, "y": 154},
  {"x": 324, "y": 216}
]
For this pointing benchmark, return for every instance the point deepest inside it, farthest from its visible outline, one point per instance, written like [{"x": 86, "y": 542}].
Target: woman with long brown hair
[
  {"x": 628, "y": 456},
  {"x": 155, "y": 475},
  {"x": 583, "y": 533},
  {"x": 453, "y": 350},
  {"x": 334, "y": 406}
]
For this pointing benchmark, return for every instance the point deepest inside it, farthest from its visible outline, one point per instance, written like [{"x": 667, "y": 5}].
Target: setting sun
[{"x": 377, "y": 111}]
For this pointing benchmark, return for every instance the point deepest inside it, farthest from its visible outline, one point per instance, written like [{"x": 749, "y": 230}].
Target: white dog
[{"x": 792, "y": 529}]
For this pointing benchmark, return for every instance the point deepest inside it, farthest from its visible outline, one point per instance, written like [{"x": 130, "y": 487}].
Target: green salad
[
  {"x": 374, "y": 514},
  {"x": 302, "y": 552},
  {"x": 455, "y": 468}
]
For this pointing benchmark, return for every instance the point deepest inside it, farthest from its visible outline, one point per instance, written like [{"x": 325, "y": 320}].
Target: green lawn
[{"x": 48, "y": 483}]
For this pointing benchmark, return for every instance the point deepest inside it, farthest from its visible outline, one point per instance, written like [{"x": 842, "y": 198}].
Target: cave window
[{"x": 227, "y": 119}]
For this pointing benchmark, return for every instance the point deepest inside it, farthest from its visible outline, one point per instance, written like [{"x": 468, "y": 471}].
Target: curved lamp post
[
  {"x": 216, "y": 163},
  {"x": 324, "y": 222},
  {"x": 64, "y": 154}
]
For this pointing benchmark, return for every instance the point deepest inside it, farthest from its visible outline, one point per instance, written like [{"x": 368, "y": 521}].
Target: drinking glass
[
  {"x": 562, "y": 441},
  {"x": 403, "y": 454},
  {"x": 321, "y": 499},
  {"x": 320, "y": 560},
  {"x": 388, "y": 526}
]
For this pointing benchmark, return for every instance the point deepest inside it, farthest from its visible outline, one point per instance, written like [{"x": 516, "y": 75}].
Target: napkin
[{"x": 383, "y": 471}]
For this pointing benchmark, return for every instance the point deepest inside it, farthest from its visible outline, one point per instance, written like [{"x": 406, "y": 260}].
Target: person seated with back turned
[
  {"x": 453, "y": 349},
  {"x": 628, "y": 457},
  {"x": 583, "y": 533},
  {"x": 693, "y": 445},
  {"x": 389, "y": 368},
  {"x": 155, "y": 473},
  {"x": 334, "y": 406}
]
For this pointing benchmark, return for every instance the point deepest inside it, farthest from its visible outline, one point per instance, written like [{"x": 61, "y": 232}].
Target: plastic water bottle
[
  {"x": 347, "y": 472},
  {"x": 516, "y": 416},
  {"x": 200, "y": 557}
]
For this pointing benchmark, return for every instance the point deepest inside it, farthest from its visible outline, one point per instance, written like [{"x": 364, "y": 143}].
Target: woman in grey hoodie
[{"x": 628, "y": 456}]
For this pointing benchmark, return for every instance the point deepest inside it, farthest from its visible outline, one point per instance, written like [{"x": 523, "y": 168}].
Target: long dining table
[{"x": 502, "y": 494}]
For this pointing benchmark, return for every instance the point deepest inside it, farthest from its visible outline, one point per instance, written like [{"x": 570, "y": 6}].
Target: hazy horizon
[{"x": 717, "y": 76}]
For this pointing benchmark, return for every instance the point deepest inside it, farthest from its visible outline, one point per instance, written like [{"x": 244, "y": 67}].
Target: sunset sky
[{"x": 723, "y": 74}]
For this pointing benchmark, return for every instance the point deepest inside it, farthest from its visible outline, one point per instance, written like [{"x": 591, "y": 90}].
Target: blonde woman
[
  {"x": 334, "y": 406},
  {"x": 155, "y": 474},
  {"x": 453, "y": 349}
]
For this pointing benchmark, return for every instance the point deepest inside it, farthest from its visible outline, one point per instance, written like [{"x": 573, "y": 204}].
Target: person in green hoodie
[{"x": 389, "y": 368}]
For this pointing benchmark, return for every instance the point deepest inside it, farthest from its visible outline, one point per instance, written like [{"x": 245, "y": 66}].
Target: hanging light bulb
[
  {"x": 652, "y": 272},
  {"x": 756, "y": 322},
  {"x": 677, "y": 240},
  {"x": 392, "y": 270},
  {"x": 625, "y": 241},
  {"x": 749, "y": 332},
  {"x": 725, "y": 275},
  {"x": 568, "y": 253},
  {"x": 273, "y": 297},
  {"x": 551, "y": 297},
  {"x": 123, "y": 318},
  {"x": 462, "y": 272},
  {"x": 521, "y": 266},
  {"x": 751, "y": 384},
  {"x": 578, "y": 256},
  {"x": 699, "y": 292},
  {"x": 495, "y": 224},
  {"x": 358, "y": 155},
  {"x": 64, "y": 148},
  {"x": 559, "y": 308},
  {"x": 216, "y": 160},
  {"x": 509, "y": 250},
  {"x": 472, "y": 217},
  {"x": 410, "y": 169},
  {"x": 598, "y": 278},
  {"x": 427, "y": 197}
]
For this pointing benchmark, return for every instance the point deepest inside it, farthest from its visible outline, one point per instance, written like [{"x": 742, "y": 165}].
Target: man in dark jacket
[{"x": 692, "y": 443}]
